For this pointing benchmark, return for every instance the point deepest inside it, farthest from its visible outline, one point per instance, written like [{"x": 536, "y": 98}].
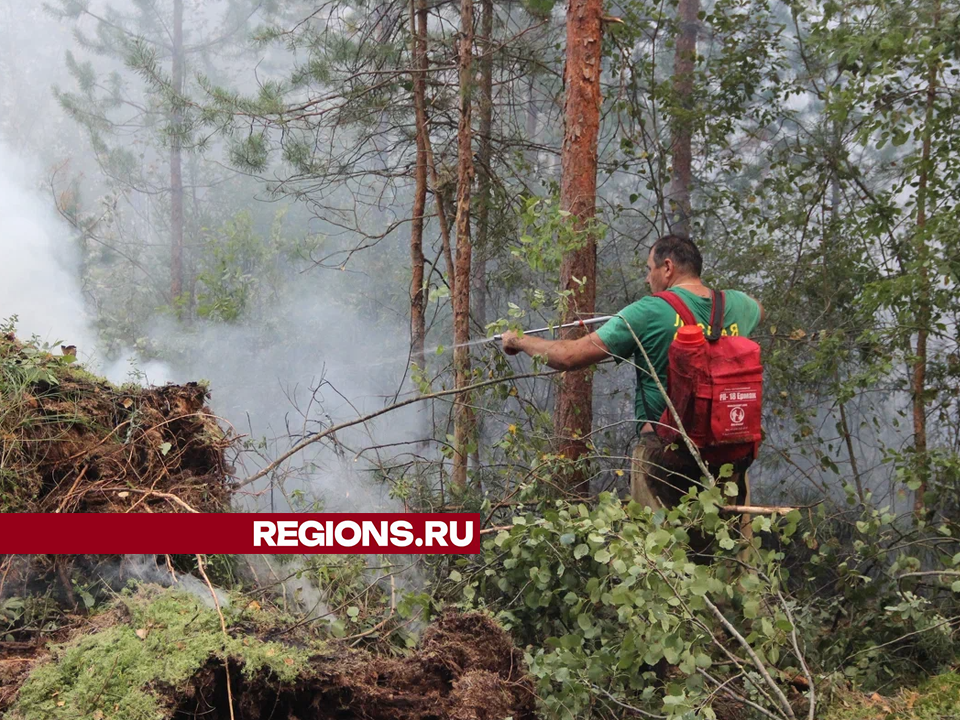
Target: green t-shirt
[{"x": 655, "y": 324}]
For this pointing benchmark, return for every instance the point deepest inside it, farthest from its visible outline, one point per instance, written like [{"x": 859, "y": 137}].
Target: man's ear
[{"x": 667, "y": 267}]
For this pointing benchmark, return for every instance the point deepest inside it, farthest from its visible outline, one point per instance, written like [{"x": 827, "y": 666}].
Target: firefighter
[{"x": 661, "y": 472}]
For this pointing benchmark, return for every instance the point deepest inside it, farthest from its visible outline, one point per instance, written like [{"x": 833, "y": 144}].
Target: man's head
[{"x": 672, "y": 259}]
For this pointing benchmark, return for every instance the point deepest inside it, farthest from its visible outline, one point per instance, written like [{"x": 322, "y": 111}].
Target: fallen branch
[
  {"x": 757, "y": 662},
  {"x": 756, "y": 509}
]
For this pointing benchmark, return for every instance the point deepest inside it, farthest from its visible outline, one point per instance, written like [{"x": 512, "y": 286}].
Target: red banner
[{"x": 240, "y": 533}]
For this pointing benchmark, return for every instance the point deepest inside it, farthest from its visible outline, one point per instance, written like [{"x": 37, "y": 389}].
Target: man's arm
[{"x": 560, "y": 354}]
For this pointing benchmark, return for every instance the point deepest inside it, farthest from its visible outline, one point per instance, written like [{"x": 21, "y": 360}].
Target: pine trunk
[
  {"x": 484, "y": 156},
  {"x": 176, "y": 168},
  {"x": 923, "y": 309},
  {"x": 463, "y": 414},
  {"x": 418, "y": 324},
  {"x": 681, "y": 151},
  {"x": 573, "y": 415}
]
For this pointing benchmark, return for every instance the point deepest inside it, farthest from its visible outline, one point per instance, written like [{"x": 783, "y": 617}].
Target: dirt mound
[{"x": 71, "y": 442}]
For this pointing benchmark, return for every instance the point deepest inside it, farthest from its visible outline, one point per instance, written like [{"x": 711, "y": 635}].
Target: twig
[
  {"x": 757, "y": 662},
  {"x": 694, "y": 451},
  {"x": 729, "y": 693},
  {"x": 173, "y": 575},
  {"x": 624, "y": 705},
  {"x": 498, "y": 528},
  {"x": 73, "y": 487},
  {"x": 811, "y": 713},
  {"x": 757, "y": 509},
  {"x": 948, "y": 621},
  {"x": 382, "y": 411},
  {"x": 223, "y": 626},
  {"x": 166, "y": 496}
]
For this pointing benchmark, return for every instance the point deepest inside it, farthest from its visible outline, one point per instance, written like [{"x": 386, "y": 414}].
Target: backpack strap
[
  {"x": 717, "y": 306},
  {"x": 718, "y": 301},
  {"x": 677, "y": 303}
]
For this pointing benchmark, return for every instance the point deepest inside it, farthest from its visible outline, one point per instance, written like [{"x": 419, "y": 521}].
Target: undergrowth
[
  {"x": 128, "y": 669},
  {"x": 936, "y": 699}
]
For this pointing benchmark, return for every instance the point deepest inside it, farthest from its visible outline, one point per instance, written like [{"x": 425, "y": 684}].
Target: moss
[
  {"x": 936, "y": 699},
  {"x": 169, "y": 637}
]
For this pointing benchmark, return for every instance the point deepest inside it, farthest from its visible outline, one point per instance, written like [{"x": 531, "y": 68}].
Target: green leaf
[
  {"x": 602, "y": 555},
  {"x": 165, "y": 448},
  {"x": 580, "y": 550},
  {"x": 568, "y": 539},
  {"x": 456, "y": 576},
  {"x": 730, "y": 489}
]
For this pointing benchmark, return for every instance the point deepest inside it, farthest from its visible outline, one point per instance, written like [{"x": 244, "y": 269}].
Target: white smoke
[{"x": 38, "y": 269}]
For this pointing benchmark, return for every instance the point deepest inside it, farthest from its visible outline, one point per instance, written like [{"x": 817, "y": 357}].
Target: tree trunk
[
  {"x": 681, "y": 152},
  {"x": 478, "y": 290},
  {"x": 484, "y": 158},
  {"x": 573, "y": 415},
  {"x": 924, "y": 311},
  {"x": 176, "y": 169},
  {"x": 531, "y": 126},
  {"x": 438, "y": 198},
  {"x": 418, "y": 323},
  {"x": 463, "y": 414}
]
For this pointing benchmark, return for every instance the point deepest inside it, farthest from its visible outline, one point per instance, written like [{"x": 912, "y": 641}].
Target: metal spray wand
[{"x": 549, "y": 328}]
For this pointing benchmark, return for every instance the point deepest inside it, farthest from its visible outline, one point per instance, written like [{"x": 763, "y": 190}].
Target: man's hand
[{"x": 511, "y": 343}]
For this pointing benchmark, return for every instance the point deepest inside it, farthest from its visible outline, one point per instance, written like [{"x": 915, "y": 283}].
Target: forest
[{"x": 258, "y": 256}]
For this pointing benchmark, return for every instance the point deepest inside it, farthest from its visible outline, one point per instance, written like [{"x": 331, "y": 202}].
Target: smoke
[
  {"x": 144, "y": 569},
  {"x": 39, "y": 271},
  {"x": 39, "y": 268}
]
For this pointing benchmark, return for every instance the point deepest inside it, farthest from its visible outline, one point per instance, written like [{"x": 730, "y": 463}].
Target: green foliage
[
  {"x": 119, "y": 672},
  {"x": 603, "y": 595},
  {"x": 880, "y": 595},
  {"x": 237, "y": 269}
]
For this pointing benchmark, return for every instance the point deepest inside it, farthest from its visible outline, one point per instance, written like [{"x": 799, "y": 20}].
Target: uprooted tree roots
[
  {"x": 161, "y": 653},
  {"x": 71, "y": 442},
  {"x": 467, "y": 669}
]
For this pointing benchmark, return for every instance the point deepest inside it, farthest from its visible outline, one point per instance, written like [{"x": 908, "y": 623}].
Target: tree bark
[
  {"x": 681, "y": 152},
  {"x": 484, "y": 158},
  {"x": 924, "y": 311},
  {"x": 463, "y": 414},
  {"x": 418, "y": 323},
  {"x": 176, "y": 168},
  {"x": 573, "y": 414},
  {"x": 532, "y": 119}
]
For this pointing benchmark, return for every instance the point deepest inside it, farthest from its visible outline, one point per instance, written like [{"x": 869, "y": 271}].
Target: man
[{"x": 660, "y": 475}]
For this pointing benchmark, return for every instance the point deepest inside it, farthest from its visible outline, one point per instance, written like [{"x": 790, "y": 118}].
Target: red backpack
[{"x": 716, "y": 385}]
